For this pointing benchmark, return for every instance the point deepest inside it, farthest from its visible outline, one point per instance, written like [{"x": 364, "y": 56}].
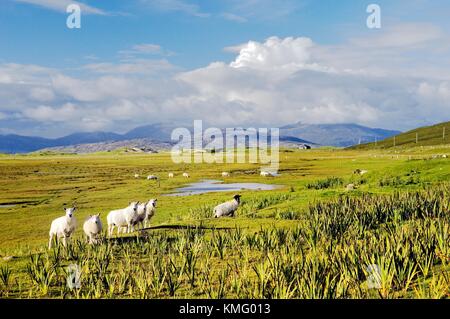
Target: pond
[
  {"x": 7, "y": 205},
  {"x": 209, "y": 186}
]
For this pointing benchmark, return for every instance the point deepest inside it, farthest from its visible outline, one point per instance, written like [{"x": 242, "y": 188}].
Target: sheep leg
[
  {"x": 110, "y": 230},
  {"x": 64, "y": 240},
  {"x": 50, "y": 242}
]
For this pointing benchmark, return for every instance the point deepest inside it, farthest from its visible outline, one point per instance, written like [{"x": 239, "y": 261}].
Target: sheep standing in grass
[
  {"x": 122, "y": 218},
  {"x": 266, "y": 174},
  {"x": 136, "y": 175},
  {"x": 93, "y": 228},
  {"x": 145, "y": 212},
  {"x": 360, "y": 171},
  {"x": 225, "y": 174},
  {"x": 63, "y": 227},
  {"x": 152, "y": 177},
  {"x": 151, "y": 210},
  {"x": 227, "y": 208},
  {"x": 170, "y": 175},
  {"x": 186, "y": 175}
]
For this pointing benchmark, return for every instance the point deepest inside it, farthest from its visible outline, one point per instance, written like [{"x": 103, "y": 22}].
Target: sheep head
[
  {"x": 96, "y": 219},
  {"x": 69, "y": 211},
  {"x": 152, "y": 202},
  {"x": 134, "y": 205}
]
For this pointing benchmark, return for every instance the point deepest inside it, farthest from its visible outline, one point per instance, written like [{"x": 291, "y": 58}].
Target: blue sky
[{"x": 186, "y": 56}]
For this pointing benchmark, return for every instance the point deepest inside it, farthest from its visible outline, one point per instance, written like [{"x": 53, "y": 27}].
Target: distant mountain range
[{"x": 341, "y": 135}]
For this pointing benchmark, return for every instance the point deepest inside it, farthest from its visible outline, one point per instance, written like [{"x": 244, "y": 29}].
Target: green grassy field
[{"x": 309, "y": 239}]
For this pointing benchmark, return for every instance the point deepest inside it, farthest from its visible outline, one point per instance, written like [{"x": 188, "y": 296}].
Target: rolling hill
[{"x": 438, "y": 134}]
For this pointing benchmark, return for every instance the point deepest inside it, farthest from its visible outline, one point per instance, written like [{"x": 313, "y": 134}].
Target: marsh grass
[{"x": 311, "y": 243}]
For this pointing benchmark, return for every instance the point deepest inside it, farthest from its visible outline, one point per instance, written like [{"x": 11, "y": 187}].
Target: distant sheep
[
  {"x": 136, "y": 175},
  {"x": 93, "y": 228},
  {"x": 170, "y": 175},
  {"x": 350, "y": 187},
  {"x": 122, "y": 218},
  {"x": 186, "y": 175},
  {"x": 152, "y": 177},
  {"x": 145, "y": 212},
  {"x": 227, "y": 208},
  {"x": 266, "y": 174},
  {"x": 225, "y": 174},
  {"x": 360, "y": 171},
  {"x": 63, "y": 227}
]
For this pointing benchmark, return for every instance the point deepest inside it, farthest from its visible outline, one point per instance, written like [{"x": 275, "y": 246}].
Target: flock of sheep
[
  {"x": 125, "y": 220},
  {"x": 186, "y": 175},
  {"x": 171, "y": 175},
  {"x": 134, "y": 215},
  {"x": 137, "y": 214}
]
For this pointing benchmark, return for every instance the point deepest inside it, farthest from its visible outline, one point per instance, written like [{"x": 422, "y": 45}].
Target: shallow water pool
[{"x": 209, "y": 186}]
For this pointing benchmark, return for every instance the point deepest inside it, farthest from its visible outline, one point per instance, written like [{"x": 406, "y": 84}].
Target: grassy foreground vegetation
[{"x": 309, "y": 239}]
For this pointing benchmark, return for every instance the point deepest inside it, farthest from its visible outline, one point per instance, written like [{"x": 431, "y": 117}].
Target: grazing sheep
[
  {"x": 227, "y": 208},
  {"x": 360, "y": 171},
  {"x": 152, "y": 177},
  {"x": 170, "y": 175},
  {"x": 350, "y": 187},
  {"x": 122, "y": 218},
  {"x": 145, "y": 212},
  {"x": 186, "y": 175},
  {"x": 266, "y": 174},
  {"x": 93, "y": 228},
  {"x": 225, "y": 174},
  {"x": 136, "y": 175},
  {"x": 63, "y": 227}
]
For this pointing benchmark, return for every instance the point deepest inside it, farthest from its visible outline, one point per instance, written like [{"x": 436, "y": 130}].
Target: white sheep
[
  {"x": 225, "y": 174},
  {"x": 171, "y": 175},
  {"x": 63, "y": 227},
  {"x": 93, "y": 228},
  {"x": 227, "y": 208},
  {"x": 122, "y": 218},
  {"x": 145, "y": 212},
  {"x": 186, "y": 175},
  {"x": 151, "y": 210},
  {"x": 360, "y": 171},
  {"x": 266, "y": 174},
  {"x": 136, "y": 175},
  {"x": 152, "y": 177}
]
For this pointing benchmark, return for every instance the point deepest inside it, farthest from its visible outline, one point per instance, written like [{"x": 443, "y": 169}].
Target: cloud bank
[{"x": 382, "y": 80}]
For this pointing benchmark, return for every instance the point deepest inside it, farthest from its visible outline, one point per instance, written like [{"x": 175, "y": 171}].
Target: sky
[{"x": 260, "y": 63}]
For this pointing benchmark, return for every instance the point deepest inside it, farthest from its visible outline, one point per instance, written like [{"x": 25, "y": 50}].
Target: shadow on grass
[
  {"x": 187, "y": 227},
  {"x": 138, "y": 236}
]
